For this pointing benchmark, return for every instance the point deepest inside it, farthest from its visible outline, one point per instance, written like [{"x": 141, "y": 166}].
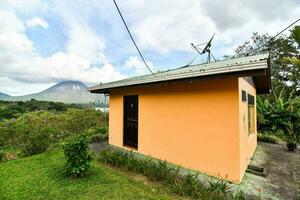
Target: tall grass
[{"x": 185, "y": 185}]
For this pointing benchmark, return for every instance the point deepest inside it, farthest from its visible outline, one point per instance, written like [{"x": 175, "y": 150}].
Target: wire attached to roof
[{"x": 132, "y": 38}]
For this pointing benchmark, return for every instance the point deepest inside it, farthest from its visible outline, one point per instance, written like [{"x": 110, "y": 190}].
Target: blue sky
[{"x": 45, "y": 42}]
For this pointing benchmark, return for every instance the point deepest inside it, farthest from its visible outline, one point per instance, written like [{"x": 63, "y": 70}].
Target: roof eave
[{"x": 260, "y": 73}]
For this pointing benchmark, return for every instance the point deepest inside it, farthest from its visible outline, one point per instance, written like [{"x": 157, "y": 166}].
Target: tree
[{"x": 284, "y": 74}]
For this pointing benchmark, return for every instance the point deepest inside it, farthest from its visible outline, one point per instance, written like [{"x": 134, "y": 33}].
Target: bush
[
  {"x": 188, "y": 185},
  {"x": 77, "y": 121},
  {"x": 35, "y": 132},
  {"x": 2, "y": 155},
  {"x": 78, "y": 155},
  {"x": 268, "y": 138}
]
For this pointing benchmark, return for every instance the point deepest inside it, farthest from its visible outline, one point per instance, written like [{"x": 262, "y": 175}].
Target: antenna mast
[{"x": 205, "y": 50}]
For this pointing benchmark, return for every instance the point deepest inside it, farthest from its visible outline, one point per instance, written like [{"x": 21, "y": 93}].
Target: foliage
[
  {"x": 80, "y": 120},
  {"x": 295, "y": 34},
  {"x": 33, "y": 132},
  {"x": 283, "y": 74},
  {"x": 281, "y": 115},
  {"x": 268, "y": 138},
  {"x": 14, "y": 109},
  {"x": 278, "y": 112},
  {"x": 78, "y": 155},
  {"x": 41, "y": 177},
  {"x": 36, "y": 131},
  {"x": 187, "y": 185}
]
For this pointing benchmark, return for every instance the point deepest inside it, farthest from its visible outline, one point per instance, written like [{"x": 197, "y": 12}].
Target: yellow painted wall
[
  {"x": 248, "y": 141},
  {"x": 192, "y": 124}
]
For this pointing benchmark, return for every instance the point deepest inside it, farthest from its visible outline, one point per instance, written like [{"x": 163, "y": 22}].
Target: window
[
  {"x": 251, "y": 116},
  {"x": 244, "y": 96}
]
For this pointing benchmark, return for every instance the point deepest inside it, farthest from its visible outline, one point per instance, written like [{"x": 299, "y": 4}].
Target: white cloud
[
  {"x": 17, "y": 88},
  {"x": 133, "y": 62},
  {"x": 20, "y": 63},
  {"x": 84, "y": 42},
  {"x": 24, "y": 6},
  {"x": 166, "y": 26},
  {"x": 159, "y": 27},
  {"x": 37, "y": 21}
]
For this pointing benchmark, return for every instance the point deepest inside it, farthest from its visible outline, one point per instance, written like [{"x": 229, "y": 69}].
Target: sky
[{"x": 43, "y": 42}]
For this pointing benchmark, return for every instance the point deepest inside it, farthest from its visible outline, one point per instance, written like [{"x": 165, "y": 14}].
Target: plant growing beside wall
[
  {"x": 185, "y": 185},
  {"x": 78, "y": 155}
]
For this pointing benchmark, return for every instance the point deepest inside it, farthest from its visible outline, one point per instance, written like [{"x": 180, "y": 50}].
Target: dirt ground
[{"x": 283, "y": 173}]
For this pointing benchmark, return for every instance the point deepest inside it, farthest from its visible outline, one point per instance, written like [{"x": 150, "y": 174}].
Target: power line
[
  {"x": 272, "y": 38},
  {"x": 285, "y": 28},
  {"x": 132, "y": 38}
]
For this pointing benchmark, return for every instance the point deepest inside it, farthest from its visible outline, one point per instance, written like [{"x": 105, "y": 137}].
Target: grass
[{"x": 42, "y": 177}]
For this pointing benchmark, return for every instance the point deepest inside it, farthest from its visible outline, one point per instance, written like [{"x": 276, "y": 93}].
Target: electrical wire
[
  {"x": 270, "y": 42},
  {"x": 286, "y": 28},
  {"x": 132, "y": 38}
]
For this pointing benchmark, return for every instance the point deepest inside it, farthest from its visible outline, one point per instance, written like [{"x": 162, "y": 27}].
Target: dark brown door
[{"x": 131, "y": 121}]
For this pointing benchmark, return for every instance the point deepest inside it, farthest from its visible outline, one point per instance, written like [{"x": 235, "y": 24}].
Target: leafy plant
[
  {"x": 78, "y": 155},
  {"x": 186, "y": 185},
  {"x": 280, "y": 115},
  {"x": 35, "y": 131}
]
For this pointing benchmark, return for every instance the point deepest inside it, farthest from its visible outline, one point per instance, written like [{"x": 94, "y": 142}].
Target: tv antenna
[{"x": 206, "y": 49}]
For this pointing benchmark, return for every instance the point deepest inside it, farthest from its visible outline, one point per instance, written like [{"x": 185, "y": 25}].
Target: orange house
[{"x": 202, "y": 117}]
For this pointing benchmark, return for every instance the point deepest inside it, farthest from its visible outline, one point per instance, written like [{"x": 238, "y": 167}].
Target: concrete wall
[
  {"x": 248, "y": 141},
  {"x": 193, "y": 124}
]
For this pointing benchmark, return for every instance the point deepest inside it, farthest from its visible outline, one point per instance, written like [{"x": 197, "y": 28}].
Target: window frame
[{"x": 251, "y": 113}]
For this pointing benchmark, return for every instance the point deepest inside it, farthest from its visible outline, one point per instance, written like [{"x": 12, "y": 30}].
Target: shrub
[
  {"x": 268, "y": 138},
  {"x": 78, "y": 155},
  {"x": 78, "y": 121},
  {"x": 2, "y": 155},
  {"x": 97, "y": 134},
  {"x": 188, "y": 185},
  {"x": 35, "y": 131},
  {"x": 103, "y": 130}
]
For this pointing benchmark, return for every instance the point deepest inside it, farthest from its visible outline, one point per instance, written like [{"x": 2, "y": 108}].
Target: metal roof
[{"x": 193, "y": 71}]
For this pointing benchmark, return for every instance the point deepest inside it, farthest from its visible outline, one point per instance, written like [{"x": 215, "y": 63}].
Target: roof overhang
[{"x": 258, "y": 68}]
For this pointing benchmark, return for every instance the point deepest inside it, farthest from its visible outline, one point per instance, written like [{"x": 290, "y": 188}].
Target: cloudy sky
[{"x": 44, "y": 42}]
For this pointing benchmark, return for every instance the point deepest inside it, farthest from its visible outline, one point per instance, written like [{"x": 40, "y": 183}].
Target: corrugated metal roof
[{"x": 213, "y": 68}]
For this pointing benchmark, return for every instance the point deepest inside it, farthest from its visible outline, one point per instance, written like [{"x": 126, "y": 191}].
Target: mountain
[
  {"x": 4, "y": 96},
  {"x": 66, "y": 91}
]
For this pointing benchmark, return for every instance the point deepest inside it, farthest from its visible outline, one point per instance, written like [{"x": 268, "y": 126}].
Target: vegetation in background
[
  {"x": 280, "y": 117},
  {"x": 78, "y": 155},
  {"x": 278, "y": 112},
  {"x": 14, "y": 109},
  {"x": 186, "y": 185},
  {"x": 33, "y": 132}
]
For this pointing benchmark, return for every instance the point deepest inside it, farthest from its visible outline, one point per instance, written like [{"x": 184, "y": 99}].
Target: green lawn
[{"x": 42, "y": 177}]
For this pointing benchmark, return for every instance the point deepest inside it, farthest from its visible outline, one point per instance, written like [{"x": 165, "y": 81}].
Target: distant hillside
[
  {"x": 4, "y": 96},
  {"x": 66, "y": 91}
]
